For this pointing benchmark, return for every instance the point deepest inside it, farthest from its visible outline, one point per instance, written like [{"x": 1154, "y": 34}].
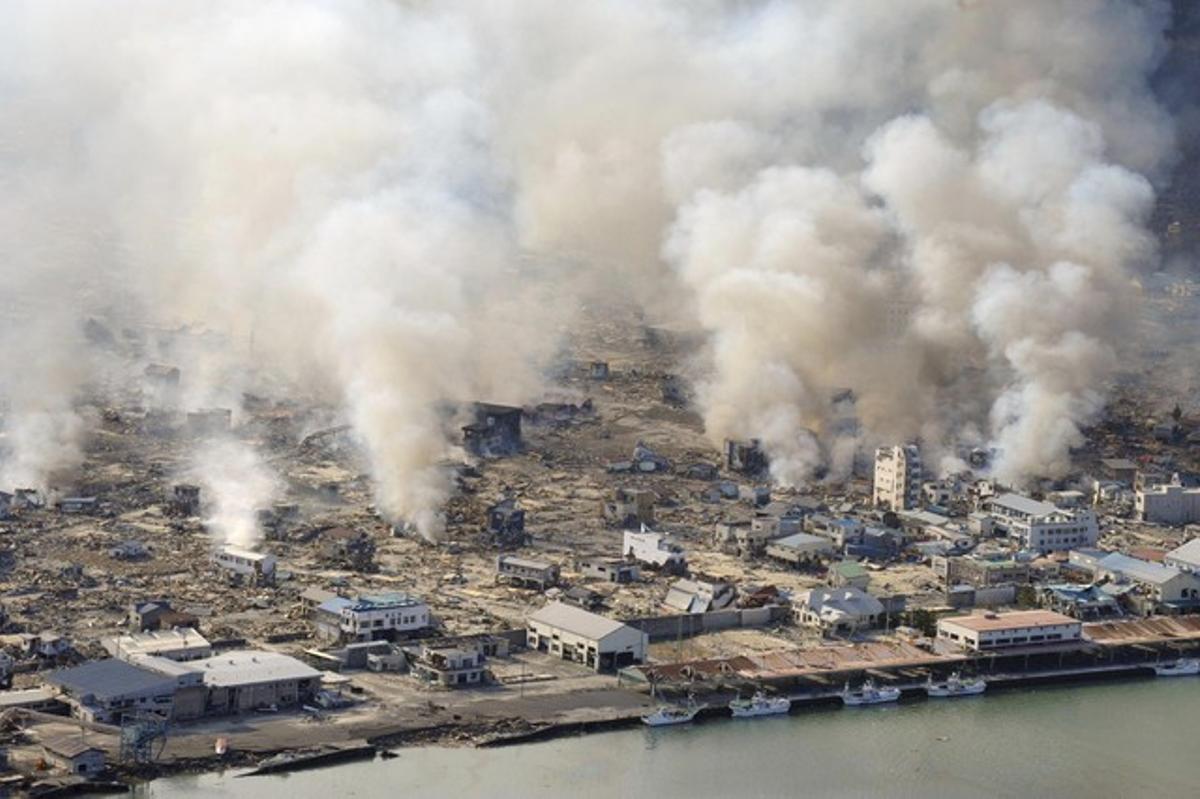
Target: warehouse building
[
  {"x": 575, "y": 634},
  {"x": 986, "y": 631}
]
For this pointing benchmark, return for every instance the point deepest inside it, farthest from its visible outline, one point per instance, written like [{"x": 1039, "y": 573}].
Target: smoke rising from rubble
[
  {"x": 235, "y": 485},
  {"x": 937, "y": 203}
]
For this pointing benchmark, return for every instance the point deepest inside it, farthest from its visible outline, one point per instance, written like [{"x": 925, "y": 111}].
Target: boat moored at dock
[
  {"x": 759, "y": 705},
  {"x": 869, "y": 694},
  {"x": 1178, "y": 668},
  {"x": 669, "y": 715},
  {"x": 956, "y": 685}
]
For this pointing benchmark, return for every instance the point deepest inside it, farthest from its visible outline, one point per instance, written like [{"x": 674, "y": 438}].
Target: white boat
[
  {"x": 955, "y": 685},
  {"x": 667, "y": 715},
  {"x": 1178, "y": 668},
  {"x": 759, "y": 705},
  {"x": 869, "y": 694}
]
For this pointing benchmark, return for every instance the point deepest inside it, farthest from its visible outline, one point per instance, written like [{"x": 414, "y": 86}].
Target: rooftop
[
  {"x": 392, "y": 599},
  {"x": 69, "y": 747},
  {"x": 1023, "y": 504},
  {"x": 149, "y": 643},
  {"x": 848, "y": 568},
  {"x": 247, "y": 667},
  {"x": 987, "y": 622},
  {"x": 1143, "y": 571},
  {"x": 1188, "y": 553},
  {"x": 576, "y": 620},
  {"x": 801, "y": 540},
  {"x": 109, "y": 679}
]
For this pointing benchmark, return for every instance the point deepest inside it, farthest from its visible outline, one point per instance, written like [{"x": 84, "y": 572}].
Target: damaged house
[
  {"x": 629, "y": 507},
  {"x": 525, "y": 572},
  {"x": 506, "y": 524},
  {"x": 353, "y": 549},
  {"x": 495, "y": 431},
  {"x": 372, "y": 617},
  {"x": 700, "y": 596},
  {"x": 746, "y": 457}
]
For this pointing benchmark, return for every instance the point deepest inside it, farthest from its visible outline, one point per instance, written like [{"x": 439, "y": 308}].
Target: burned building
[
  {"x": 495, "y": 432},
  {"x": 354, "y": 549},
  {"x": 209, "y": 422},
  {"x": 5, "y": 505},
  {"x": 598, "y": 370},
  {"x": 629, "y": 507},
  {"x": 185, "y": 500},
  {"x": 506, "y": 524},
  {"x": 78, "y": 505},
  {"x": 746, "y": 457}
]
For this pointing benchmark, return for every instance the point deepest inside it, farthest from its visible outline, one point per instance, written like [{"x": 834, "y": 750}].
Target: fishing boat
[
  {"x": 667, "y": 715},
  {"x": 955, "y": 685},
  {"x": 1178, "y": 668},
  {"x": 869, "y": 694},
  {"x": 759, "y": 705}
]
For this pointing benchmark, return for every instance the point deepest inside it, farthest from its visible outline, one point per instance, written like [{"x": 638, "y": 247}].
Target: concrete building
[
  {"x": 372, "y": 617},
  {"x": 613, "y": 571},
  {"x": 1170, "y": 503},
  {"x": 654, "y": 549},
  {"x": 1162, "y": 585},
  {"x": 849, "y": 574},
  {"x": 450, "y": 666},
  {"x": 898, "y": 476},
  {"x": 249, "y": 680},
  {"x": 801, "y": 548},
  {"x": 980, "y": 572},
  {"x": 71, "y": 755},
  {"x": 496, "y": 431},
  {"x": 573, "y": 634},
  {"x": 986, "y": 631},
  {"x": 108, "y": 690},
  {"x": 839, "y": 611},
  {"x": 746, "y": 457},
  {"x": 1041, "y": 526},
  {"x": 1119, "y": 470},
  {"x": 526, "y": 572},
  {"x": 256, "y": 567},
  {"x": 629, "y": 507},
  {"x": 181, "y": 645}
]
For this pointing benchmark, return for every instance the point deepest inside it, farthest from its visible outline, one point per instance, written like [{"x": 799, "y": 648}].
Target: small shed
[{"x": 74, "y": 756}]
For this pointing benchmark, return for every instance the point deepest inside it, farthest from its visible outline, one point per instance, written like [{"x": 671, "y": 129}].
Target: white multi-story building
[
  {"x": 898, "y": 477},
  {"x": 372, "y": 617},
  {"x": 252, "y": 565},
  {"x": 1169, "y": 503},
  {"x": 1041, "y": 526},
  {"x": 999, "y": 630},
  {"x": 654, "y": 549}
]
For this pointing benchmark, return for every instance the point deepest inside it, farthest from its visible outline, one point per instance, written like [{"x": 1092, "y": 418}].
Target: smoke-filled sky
[{"x": 937, "y": 203}]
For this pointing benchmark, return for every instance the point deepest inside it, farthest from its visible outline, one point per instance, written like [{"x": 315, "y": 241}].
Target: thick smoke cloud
[{"x": 389, "y": 205}]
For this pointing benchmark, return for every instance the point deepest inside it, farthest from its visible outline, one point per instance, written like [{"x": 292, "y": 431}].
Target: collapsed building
[{"x": 495, "y": 431}]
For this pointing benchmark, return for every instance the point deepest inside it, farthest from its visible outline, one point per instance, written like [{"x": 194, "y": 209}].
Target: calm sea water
[{"x": 1132, "y": 739}]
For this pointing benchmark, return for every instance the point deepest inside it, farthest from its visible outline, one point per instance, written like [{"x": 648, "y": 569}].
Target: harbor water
[{"x": 1122, "y": 739}]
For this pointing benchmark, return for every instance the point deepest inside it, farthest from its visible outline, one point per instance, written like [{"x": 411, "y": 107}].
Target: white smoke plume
[
  {"x": 936, "y": 203},
  {"x": 235, "y": 484}
]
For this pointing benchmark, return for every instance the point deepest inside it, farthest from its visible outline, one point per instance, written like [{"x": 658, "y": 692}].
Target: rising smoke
[{"x": 939, "y": 204}]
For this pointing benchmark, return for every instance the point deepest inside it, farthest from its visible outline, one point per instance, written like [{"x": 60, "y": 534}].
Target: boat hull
[
  {"x": 660, "y": 719},
  {"x": 1182, "y": 668},
  {"x": 880, "y": 697},
  {"x": 962, "y": 689},
  {"x": 772, "y": 708}
]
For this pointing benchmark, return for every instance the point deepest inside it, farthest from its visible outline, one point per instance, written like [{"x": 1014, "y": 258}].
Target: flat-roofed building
[
  {"x": 898, "y": 477},
  {"x": 526, "y": 572},
  {"x": 801, "y": 548},
  {"x": 181, "y": 644},
  {"x": 1041, "y": 526},
  {"x": 1170, "y": 503},
  {"x": 574, "y": 634},
  {"x": 109, "y": 690},
  {"x": 253, "y": 566},
  {"x": 986, "y": 631},
  {"x": 372, "y": 617},
  {"x": 249, "y": 680}
]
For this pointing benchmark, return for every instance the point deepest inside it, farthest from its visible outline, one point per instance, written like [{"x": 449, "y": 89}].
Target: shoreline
[{"x": 484, "y": 734}]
